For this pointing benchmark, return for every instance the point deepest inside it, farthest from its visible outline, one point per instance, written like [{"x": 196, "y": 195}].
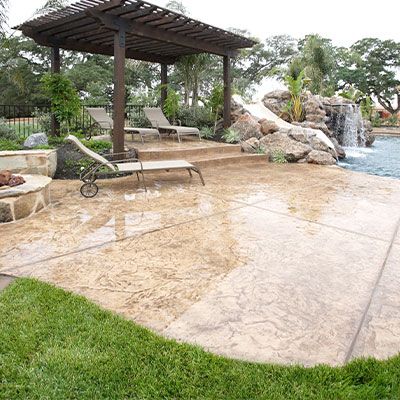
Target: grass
[{"x": 55, "y": 345}]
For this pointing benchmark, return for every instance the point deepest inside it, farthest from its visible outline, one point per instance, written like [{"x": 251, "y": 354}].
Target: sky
[{"x": 343, "y": 21}]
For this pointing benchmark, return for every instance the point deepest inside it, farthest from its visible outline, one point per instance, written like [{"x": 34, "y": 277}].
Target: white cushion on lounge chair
[
  {"x": 106, "y": 122},
  {"x": 181, "y": 129},
  {"x": 159, "y": 121},
  {"x": 90, "y": 153},
  {"x": 101, "y": 117},
  {"x": 154, "y": 166},
  {"x": 142, "y": 131}
]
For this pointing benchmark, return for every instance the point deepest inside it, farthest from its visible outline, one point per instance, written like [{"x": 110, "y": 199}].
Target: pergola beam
[
  {"x": 98, "y": 49},
  {"x": 150, "y": 32}
]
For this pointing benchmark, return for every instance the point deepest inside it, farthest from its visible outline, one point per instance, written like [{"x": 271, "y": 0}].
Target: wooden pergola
[{"x": 138, "y": 30}]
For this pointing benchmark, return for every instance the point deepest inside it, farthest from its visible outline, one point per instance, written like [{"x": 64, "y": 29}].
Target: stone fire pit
[{"x": 22, "y": 201}]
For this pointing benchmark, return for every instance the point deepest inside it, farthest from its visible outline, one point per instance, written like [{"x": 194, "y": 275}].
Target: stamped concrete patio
[{"x": 287, "y": 264}]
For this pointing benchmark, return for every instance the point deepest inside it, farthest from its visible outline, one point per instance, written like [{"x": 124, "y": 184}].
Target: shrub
[
  {"x": 44, "y": 120},
  {"x": 231, "y": 136},
  {"x": 9, "y": 145},
  {"x": 207, "y": 133},
  {"x": 377, "y": 121},
  {"x": 6, "y": 132},
  {"x": 65, "y": 102},
  {"x": 43, "y": 147},
  {"x": 199, "y": 117},
  {"x": 278, "y": 157},
  {"x": 171, "y": 106},
  {"x": 99, "y": 146},
  {"x": 392, "y": 120},
  {"x": 139, "y": 121}
]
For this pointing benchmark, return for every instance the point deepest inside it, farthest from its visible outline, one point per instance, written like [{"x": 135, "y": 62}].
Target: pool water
[{"x": 382, "y": 159}]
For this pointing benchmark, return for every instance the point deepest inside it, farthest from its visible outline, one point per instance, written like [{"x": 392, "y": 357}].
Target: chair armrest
[{"x": 179, "y": 122}]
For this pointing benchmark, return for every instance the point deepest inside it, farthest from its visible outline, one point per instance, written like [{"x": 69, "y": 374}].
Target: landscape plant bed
[{"x": 55, "y": 345}]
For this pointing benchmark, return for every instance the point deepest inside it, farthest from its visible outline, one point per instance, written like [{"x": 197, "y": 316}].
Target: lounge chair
[
  {"x": 159, "y": 121},
  {"x": 105, "y": 123},
  {"x": 125, "y": 166}
]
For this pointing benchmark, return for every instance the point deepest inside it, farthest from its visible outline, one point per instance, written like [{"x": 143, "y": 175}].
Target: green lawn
[{"x": 55, "y": 345}]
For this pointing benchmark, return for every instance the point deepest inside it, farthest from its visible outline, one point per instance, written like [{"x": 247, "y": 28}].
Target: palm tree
[
  {"x": 3, "y": 16},
  {"x": 51, "y": 5}
]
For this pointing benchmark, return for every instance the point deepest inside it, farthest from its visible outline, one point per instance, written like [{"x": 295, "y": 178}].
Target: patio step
[
  {"x": 228, "y": 159},
  {"x": 188, "y": 153}
]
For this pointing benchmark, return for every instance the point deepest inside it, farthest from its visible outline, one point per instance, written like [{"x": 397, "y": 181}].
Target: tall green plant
[
  {"x": 296, "y": 87},
  {"x": 216, "y": 103},
  {"x": 171, "y": 105},
  {"x": 65, "y": 102}
]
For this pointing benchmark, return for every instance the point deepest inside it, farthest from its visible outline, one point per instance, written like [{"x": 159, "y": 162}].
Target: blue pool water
[{"x": 382, "y": 159}]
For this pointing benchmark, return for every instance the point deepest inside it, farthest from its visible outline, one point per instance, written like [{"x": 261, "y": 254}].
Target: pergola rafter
[{"x": 133, "y": 29}]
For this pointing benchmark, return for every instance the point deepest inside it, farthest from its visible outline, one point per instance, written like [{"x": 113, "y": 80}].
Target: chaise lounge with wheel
[
  {"x": 102, "y": 166},
  {"x": 105, "y": 123},
  {"x": 160, "y": 122}
]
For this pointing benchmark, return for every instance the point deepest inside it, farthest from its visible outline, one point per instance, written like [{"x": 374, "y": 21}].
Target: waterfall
[{"x": 352, "y": 126}]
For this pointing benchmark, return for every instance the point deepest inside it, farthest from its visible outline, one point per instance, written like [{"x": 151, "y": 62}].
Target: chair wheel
[{"x": 89, "y": 190}]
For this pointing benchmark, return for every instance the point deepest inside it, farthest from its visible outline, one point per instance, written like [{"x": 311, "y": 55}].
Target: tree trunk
[
  {"x": 195, "y": 100},
  {"x": 386, "y": 104}
]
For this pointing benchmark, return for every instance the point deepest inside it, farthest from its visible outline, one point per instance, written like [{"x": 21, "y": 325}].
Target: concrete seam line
[{"x": 373, "y": 293}]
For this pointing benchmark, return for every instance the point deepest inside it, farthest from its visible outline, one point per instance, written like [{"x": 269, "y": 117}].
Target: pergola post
[
  {"x": 55, "y": 69},
  {"x": 164, "y": 83},
  {"x": 119, "y": 92},
  {"x": 227, "y": 91}
]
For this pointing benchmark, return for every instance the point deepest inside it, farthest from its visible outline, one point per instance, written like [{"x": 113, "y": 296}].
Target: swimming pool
[{"x": 382, "y": 159}]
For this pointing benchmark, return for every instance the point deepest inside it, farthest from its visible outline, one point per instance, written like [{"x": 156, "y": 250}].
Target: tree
[
  {"x": 92, "y": 75},
  {"x": 176, "y": 5},
  {"x": 372, "y": 66},
  {"x": 22, "y": 63},
  {"x": 317, "y": 58},
  {"x": 3, "y": 16},
  {"x": 51, "y": 5},
  {"x": 267, "y": 58}
]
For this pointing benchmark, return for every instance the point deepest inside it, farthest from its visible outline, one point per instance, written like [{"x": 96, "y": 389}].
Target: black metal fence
[{"x": 28, "y": 119}]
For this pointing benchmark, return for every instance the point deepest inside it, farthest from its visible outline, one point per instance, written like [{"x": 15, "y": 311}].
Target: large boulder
[
  {"x": 251, "y": 146},
  {"x": 320, "y": 157},
  {"x": 319, "y": 145},
  {"x": 277, "y": 102},
  {"x": 247, "y": 127},
  {"x": 281, "y": 142},
  {"x": 237, "y": 111},
  {"x": 37, "y": 139},
  {"x": 339, "y": 149},
  {"x": 369, "y": 136},
  {"x": 299, "y": 135},
  {"x": 268, "y": 127}
]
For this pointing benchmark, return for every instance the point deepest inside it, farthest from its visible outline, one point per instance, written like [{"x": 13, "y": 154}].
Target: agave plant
[{"x": 231, "y": 136}]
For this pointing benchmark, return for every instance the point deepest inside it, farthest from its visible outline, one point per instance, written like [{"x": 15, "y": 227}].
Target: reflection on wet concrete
[{"x": 267, "y": 262}]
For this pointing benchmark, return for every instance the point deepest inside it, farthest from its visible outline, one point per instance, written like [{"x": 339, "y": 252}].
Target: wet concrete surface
[{"x": 280, "y": 263}]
